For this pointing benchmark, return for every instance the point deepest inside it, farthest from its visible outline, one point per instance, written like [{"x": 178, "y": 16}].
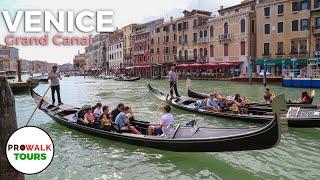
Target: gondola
[
  {"x": 258, "y": 114},
  {"x": 126, "y": 79},
  {"x": 177, "y": 138},
  {"x": 195, "y": 94}
]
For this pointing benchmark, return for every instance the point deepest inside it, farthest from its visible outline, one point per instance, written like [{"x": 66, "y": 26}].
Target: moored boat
[
  {"x": 260, "y": 114},
  {"x": 176, "y": 137},
  {"x": 118, "y": 78}
]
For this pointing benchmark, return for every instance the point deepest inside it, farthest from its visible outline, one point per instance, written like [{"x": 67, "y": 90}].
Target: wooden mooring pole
[{"x": 8, "y": 124}]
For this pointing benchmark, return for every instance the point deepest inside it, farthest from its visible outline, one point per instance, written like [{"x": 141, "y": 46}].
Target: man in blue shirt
[
  {"x": 213, "y": 103},
  {"x": 123, "y": 122}
]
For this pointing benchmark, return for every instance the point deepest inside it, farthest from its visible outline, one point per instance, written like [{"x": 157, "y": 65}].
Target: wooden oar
[
  {"x": 38, "y": 105},
  {"x": 161, "y": 104}
]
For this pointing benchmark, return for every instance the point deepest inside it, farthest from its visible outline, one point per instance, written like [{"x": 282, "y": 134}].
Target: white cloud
[{"x": 126, "y": 12}]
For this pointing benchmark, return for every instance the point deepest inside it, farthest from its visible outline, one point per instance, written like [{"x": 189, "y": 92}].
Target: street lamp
[{"x": 265, "y": 72}]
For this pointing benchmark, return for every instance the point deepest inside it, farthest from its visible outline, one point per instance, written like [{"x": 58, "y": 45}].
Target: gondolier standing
[
  {"x": 173, "y": 81},
  {"x": 54, "y": 77}
]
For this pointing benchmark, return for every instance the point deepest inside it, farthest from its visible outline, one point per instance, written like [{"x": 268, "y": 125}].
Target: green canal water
[{"x": 82, "y": 156}]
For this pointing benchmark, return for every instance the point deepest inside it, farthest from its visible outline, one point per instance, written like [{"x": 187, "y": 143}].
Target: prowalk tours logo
[{"x": 30, "y": 150}]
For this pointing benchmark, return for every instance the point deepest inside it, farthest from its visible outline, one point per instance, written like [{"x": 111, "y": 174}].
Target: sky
[{"x": 125, "y": 12}]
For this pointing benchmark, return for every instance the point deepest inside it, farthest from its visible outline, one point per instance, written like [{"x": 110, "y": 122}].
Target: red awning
[
  {"x": 207, "y": 65},
  {"x": 142, "y": 66}
]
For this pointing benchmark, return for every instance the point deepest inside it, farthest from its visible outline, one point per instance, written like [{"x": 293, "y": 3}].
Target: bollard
[{"x": 8, "y": 124}]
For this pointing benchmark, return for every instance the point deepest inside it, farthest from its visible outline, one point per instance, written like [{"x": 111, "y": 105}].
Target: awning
[
  {"x": 140, "y": 66},
  {"x": 207, "y": 65},
  {"x": 280, "y": 61}
]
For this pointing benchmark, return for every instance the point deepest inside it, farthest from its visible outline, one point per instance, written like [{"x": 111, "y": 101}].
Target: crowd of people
[
  {"x": 218, "y": 102},
  {"x": 121, "y": 118}
]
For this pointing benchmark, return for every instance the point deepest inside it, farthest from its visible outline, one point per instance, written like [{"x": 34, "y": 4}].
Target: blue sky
[{"x": 126, "y": 12}]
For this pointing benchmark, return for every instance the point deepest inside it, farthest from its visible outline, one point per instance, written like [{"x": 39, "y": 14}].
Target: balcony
[
  {"x": 266, "y": 55},
  {"x": 186, "y": 58},
  {"x": 204, "y": 59},
  {"x": 139, "y": 52},
  {"x": 280, "y": 54},
  {"x": 315, "y": 30},
  {"x": 225, "y": 37},
  {"x": 298, "y": 54},
  {"x": 203, "y": 40}
]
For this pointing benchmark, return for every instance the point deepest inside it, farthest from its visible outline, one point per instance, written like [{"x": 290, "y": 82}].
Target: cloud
[{"x": 126, "y": 12}]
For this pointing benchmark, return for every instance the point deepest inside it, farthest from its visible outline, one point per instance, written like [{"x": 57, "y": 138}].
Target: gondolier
[
  {"x": 173, "y": 81},
  {"x": 55, "y": 77}
]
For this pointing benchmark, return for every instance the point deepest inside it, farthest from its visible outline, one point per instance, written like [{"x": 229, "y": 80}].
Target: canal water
[{"x": 82, "y": 156}]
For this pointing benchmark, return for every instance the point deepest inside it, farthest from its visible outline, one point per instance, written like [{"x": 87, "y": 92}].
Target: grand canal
[{"x": 82, "y": 156}]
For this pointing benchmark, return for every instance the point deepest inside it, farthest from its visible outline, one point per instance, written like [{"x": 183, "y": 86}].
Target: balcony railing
[
  {"x": 315, "y": 30},
  {"x": 203, "y": 40},
  {"x": 187, "y": 58},
  {"x": 204, "y": 59},
  {"x": 225, "y": 37}
]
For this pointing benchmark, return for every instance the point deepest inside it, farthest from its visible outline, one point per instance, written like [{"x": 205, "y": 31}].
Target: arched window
[
  {"x": 205, "y": 33},
  {"x": 201, "y": 34},
  {"x": 211, "y": 31},
  {"x": 243, "y": 25},
  {"x": 226, "y": 28},
  {"x": 185, "y": 53}
]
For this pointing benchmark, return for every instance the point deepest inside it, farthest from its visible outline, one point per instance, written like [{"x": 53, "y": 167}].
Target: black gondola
[
  {"x": 195, "y": 94},
  {"x": 126, "y": 79},
  {"x": 177, "y": 137},
  {"x": 260, "y": 114}
]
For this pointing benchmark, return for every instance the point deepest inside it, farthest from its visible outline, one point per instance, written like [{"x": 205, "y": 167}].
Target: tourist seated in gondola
[
  {"x": 89, "y": 117},
  {"x": 212, "y": 103},
  {"x": 97, "y": 110},
  {"x": 123, "y": 122},
  {"x": 238, "y": 100},
  {"x": 305, "y": 98},
  {"x": 166, "y": 120},
  {"x": 105, "y": 122},
  {"x": 233, "y": 107},
  {"x": 223, "y": 105},
  {"x": 116, "y": 111},
  {"x": 267, "y": 96},
  {"x": 201, "y": 104}
]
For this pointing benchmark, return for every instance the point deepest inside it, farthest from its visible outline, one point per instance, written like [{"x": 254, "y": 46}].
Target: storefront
[{"x": 277, "y": 67}]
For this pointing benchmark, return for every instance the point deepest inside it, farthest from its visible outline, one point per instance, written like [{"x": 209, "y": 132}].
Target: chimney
[
  {"x": 221, "y": 7},
  {"x": 171, "y": 18}
]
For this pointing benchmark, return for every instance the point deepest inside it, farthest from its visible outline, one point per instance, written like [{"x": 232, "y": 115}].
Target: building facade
[
  {"x": 115, "y": 51},
  {"x": 79, "y": 61},
  {"x": 284, "y": 32},
  {"x": 187, "y": 34},
  {"x": 127, "y": 47},
  {"x": 232, "y": 35}
]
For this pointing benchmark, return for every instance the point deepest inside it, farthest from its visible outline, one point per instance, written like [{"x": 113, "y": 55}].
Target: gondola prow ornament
[{"x": 279, "y": 107}]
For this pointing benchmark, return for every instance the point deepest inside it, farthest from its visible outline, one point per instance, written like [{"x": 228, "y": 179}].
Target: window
[
  {"x": 201, "y": 34},
  {"x": 211, "y": 31},
  {"x": 304, "y": 24},
  {"x": 317, "y": 44},
  {"x": 226, "y": 49},
  {"x": 295, "y": 6},
  {"x": 280, "y": 27},
  {"x": 280, "y": 9},
  {"x": 267, "y": 29},
  {"x": 205, "y": 33},
  {"x": 211, "y": 51},
  {"x": 295, "y": 25},
  {"x": 280, "y": 48},
  {"x": 243, "y": 48},
  {"x": 267, "y": 12},
  {"x": 173, "y": 26},
  {"x": 243, "y": 25},
  {"x": 174, "y": 37},
  {"x": 186, "y": 53},
  {"x": 252, "y": 26},
  {"x": 225, "y": 28},
  {"x": 316, "y": 4},
  {"x": 194, "y": 37},
  {"x": 185, "y": 25},
  {"x": 195, "y": 23},
  {"x": 266, "y": 50},
  {"x": 294, "y": 46},
  {"x": 303, "y": 46},
  {"x": 317, "y": 22},
  {"x": 185, "y": 38},
  {"x": 305, "y": 5},
  {"x": 179, "y": 26}
]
